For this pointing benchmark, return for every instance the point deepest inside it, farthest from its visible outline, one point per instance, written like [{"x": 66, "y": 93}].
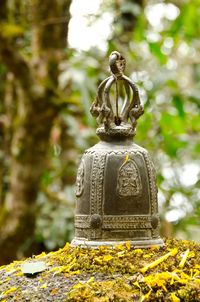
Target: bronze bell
[{"x": 116, "y": 183}]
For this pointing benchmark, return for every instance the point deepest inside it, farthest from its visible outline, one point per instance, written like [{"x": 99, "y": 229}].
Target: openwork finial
[{"x": 117, "y": 110}]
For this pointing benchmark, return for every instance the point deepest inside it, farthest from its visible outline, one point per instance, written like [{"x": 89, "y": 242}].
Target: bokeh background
[{"x": 53, "y": 55}]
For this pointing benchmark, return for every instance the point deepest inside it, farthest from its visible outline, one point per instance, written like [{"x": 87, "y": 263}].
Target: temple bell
[{"x": 116, "y": 188}]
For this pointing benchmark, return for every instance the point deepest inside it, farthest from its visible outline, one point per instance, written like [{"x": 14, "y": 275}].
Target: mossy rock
[{"x": 119, "y": 273}]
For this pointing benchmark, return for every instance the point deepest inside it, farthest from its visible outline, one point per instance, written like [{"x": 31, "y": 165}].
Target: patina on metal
[{"x": 116, "y": 183}]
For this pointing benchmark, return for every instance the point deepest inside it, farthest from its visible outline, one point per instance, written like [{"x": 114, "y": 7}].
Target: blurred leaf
[
  {"x": 3, "y": 69},
  {"x": 197, "y": 148},
  {"x": 10, "y": 30},
  {"x": 155, "y": 49},
  {"x": 86, "y": 99},
  {"x": 178, "y": 102},
  {"x": 172, "y": 124},
  {"x": 190, "y": 15},
  {"x": 171, "y": 144},
  {"x": 31, "y": 268},
  {"x": 47, "y": 178},
  {"x": 129, "y": 7}
]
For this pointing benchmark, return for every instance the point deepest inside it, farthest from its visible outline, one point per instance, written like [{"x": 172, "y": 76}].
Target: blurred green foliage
[{"x": 163, "y": 61}]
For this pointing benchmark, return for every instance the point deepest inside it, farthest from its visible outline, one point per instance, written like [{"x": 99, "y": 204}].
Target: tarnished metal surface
[{"x": 116, "y": 184}]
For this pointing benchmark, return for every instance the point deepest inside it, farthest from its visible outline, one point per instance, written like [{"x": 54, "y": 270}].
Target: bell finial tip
[{"x": 117, "y": 63}]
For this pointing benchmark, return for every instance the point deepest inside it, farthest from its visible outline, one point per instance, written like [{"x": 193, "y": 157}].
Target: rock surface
[{"x": 119, "y": 273}]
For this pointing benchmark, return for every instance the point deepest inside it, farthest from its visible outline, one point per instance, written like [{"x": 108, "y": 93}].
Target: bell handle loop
[
  {"x": 100, "y": 91},
  {"x": 135, "y": 98},
  {"x": 106, "y": 96},
  {"x": 117, "y": 64},
  {"x": 134, "y": 102},
  {"x": 125, "y": 107}
]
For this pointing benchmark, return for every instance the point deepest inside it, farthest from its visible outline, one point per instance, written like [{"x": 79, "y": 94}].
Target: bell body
[
  {"x": 116, "y": 183},
  {"x": 116, "y": 196}
]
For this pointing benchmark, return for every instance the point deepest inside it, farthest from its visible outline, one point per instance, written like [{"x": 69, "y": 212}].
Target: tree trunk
[{"x": 36, "y": 84}]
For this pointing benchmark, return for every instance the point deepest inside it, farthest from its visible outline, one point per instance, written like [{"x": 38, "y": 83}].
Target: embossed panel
[
  {"x": 80, "y": 179},
  {"x": 83, "y": 187},
  {"x": 134, "y": 204},
  {"x": 128, "y": 180}
]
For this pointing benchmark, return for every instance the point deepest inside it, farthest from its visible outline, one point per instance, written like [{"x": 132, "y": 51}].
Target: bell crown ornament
[
  {"x": 116, "y": 192},
  {"x": 115, "y": 120}
]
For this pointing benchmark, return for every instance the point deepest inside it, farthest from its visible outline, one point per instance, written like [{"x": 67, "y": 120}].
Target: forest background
[{"x": 52, "y": 58}]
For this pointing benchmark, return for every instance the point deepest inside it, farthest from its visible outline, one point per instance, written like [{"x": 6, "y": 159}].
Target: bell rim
[{"x": 142, "y": 243}]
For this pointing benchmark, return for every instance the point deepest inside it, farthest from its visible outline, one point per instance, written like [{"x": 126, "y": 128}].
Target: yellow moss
[
  {"x": 159, "y": 280},
  {"x": 119, "y": 247},
  {"x": 158, "y": 261},
  {"x": 7, "y": 279},
  {"x": 172, "y": 273},
  {"x": 174, "y": 298},
  {"x": 43, "y": 285},
  {"x": 2, "y": 267},
  {"x": 145, "y": 297},
  {"x": 9, "y": 291},
  {"x": 184, "y": 258},
  {"x": 18, "y": 274},
  {"x": 102, "y": 259},
  {"x": 43, "y": 254},
  {"x": 147, "y": 255},
  {"x": 128, "y": 245},
  {"x": 139, "y": 251},
  {"x": 100, "y": 291}
]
